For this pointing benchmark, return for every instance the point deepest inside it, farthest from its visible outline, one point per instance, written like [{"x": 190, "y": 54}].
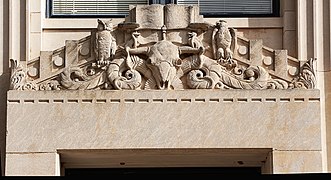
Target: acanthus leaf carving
[
  {"x": 18, "y": 77},
  {"x": 131, "y": 80},
  {"x": 75, "y": 78},
  {"x": 306, "y": 78},
  {"x": 214, "y": 76},
  {"x": 197, "y": 80},
  {"x": 123, "y": 77}
]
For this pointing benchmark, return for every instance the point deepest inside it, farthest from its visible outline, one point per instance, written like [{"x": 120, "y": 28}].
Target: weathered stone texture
[{"x": 163, "y": 119}]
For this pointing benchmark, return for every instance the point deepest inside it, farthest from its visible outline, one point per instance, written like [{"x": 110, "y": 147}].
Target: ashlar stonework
[
  {"x": 154, "y": 49},
  {"x": 163, "y": 84}
]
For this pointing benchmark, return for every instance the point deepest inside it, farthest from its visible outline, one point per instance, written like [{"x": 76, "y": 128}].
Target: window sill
[
  {"x": 88, "y": 23},
  {"x": 252, "y": 22}
]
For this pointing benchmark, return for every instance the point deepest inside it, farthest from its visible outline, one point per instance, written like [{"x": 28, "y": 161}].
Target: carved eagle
[{"x": 223, "y": 41}]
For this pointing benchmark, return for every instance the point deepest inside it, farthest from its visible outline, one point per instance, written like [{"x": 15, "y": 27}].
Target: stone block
[
  {"x": 148, "y": 16},
  {"x": 31, "y": 164},
  {"x": 281, "y": 63},
  {"x": 255, "y": 52},
  {"x": 287, "y": 162},
  {"x": 281, "y": 119}
]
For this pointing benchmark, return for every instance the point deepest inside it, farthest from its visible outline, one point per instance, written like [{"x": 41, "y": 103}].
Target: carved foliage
[
  {"x": 306, "y": 78},
  {"x": 164, "y": 64},
  {"x": 18, "y": 78},
  {"x": 213, "y": 75},
  {"x": 74, "y": 78}
]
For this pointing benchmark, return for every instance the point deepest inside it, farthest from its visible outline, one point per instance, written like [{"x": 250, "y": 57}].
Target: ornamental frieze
[{"x": 165, "y": 47}]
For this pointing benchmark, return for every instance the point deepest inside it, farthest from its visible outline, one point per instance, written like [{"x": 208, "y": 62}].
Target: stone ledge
[
  {"x": 167, "y": 100},
  {"x": 278, "y": 119},
  {"x": 311, "y": 94},
  {"x": 158, "y": 96}
]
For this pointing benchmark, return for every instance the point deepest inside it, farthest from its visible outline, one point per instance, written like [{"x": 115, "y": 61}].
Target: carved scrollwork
[
  {"x": 215, "y": 77},
  {"x": 123, "y": 77},
  {"x": 75, "y": 78},
  {"x": 51, "y": 85},
  {"x": 163, "y": 63},
  {"x": 130, "y": 80},
  {"x": 18, "y": 77},
  {"x": 306, "y": 78},
  {"x": 197, "y": 80}
]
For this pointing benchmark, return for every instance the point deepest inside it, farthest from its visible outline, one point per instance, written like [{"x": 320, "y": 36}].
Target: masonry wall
[
  {"x": 286, "y": 121},
  {"x": 4, "y": 78},
  {"x": 303, "y": 29}
]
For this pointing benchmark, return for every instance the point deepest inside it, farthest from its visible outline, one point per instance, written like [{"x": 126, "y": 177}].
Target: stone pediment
[{"x": 163, "y": 47}]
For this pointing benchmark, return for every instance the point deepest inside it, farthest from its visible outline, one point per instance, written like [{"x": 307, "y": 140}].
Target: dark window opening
[
  {"x": 184, "y": 172},
  {"x": 236, "y": 8},
  {"x": 90, "y": 8},
  {"x": 162, "y": 1},
  {"x": 120, "y": 8}
]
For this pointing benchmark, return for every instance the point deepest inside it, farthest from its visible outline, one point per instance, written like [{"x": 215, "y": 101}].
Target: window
[
  {"x": 90, "y": 8},
  {"x": 161, "y": 1},
  {"x": 120, "y": 8},
  {"x": 235, "y": 8}
]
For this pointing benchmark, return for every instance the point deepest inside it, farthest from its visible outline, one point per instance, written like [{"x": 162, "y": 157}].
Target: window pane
[
  {"x": 120, "y": 8},
  {"x": 232, "y": 7},
  {"x": 93, "y": 7}
]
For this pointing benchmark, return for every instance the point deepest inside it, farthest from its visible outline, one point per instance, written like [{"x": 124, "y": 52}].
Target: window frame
[
  {"x": 275, "y": 13},
  {"x": 49, "y": 13}
]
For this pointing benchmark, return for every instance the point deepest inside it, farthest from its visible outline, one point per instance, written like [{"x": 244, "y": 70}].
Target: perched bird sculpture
[
  {"x": 105, "y": 43},
  {"x": 195, "y": 42},
  {"x": 224, "y": 42}
]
